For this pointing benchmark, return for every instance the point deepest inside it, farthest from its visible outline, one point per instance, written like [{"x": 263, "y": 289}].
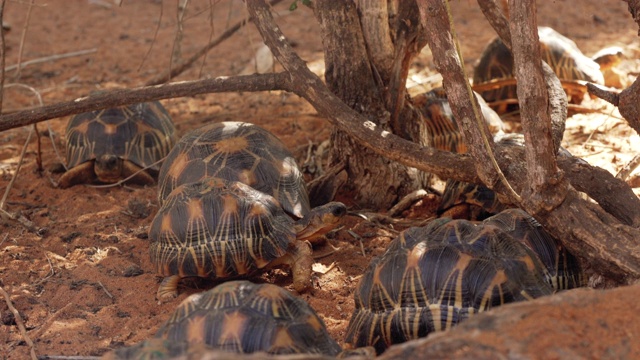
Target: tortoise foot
[
  {"x": 302, "y": 261},
  {"x": 168, "y": 289}
]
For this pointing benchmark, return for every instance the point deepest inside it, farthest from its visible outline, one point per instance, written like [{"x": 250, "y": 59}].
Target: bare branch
[
  {"x": 23, "y": 37},
  {"x": 545, "y": 186},
  {"x": 2, "y": 55},
  {"x": 18, "y": 319},
  {"x": 557, "y": 96},
  {"x": 436, "y": 19},
  {"x": 634, "y": 9},
  {"x": 107, "y": 99},
  {"x": 180, "y": 67}
]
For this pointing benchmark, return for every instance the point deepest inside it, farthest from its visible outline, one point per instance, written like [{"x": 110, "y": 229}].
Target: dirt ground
[{"x": 84, "y": 283}]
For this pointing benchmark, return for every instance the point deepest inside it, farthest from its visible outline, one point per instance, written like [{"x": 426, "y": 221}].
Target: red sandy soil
[{"x": 84, "y": 284}]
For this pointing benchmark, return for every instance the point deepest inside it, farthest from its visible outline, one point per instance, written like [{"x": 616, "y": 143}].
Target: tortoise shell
[
  {"x": 562, "y": 269},
  {"x": 560, "y": 52},
  {"x": 483, "y": 201},
  {"x": 442, "y": 129},
  {"x": 109, "y": 145},
  {"x": 433, "y": 277},
  {"x": 242, "y": 317},
  {"x": 218, "y": 229},
  {"x": 239, "y": 152},
  {"x": 221, "y": 229}
]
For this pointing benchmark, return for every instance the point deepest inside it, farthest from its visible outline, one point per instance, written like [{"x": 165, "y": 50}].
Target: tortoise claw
[{"x": 168, "y": 289}]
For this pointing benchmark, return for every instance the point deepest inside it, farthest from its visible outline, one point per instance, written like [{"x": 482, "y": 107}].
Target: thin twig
[
  {"x": 19, "y": 323},
  {"x": 15, "y": 174},
  {"x": 28, "y": 224},
  {"x": 359, "y": 238},
  {"x": 211, "y": 33},
  {"x": 624, "y": 173},
  {"x": 24, "y": 148},
  {"x": 180, "y": 67},
  {"x": 155, "y": 36},
  {"x": 2, "y": 55},
  {"x": 23, "y": 37},
  {"x": 50, "y": 58},
  {"x": 177, "y": 41},
  {"x": 122, "y": 181},
  {"x": 597, "y": 128},
  {"x": 105, "y": 290}
]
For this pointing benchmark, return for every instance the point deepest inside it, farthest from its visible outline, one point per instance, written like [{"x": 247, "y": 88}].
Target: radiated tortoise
[
  {"x": 221, "y": 229},
  {"x": 110, "y": 145},
  {"x": 433, "y": 277},
  {"x": 241, "y": 317},
  {"x": 237, "y": 151},
  {"x": 560, "y": 52}
]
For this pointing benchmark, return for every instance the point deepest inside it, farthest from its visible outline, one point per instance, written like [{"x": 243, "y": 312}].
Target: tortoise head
[
  {"x": 319, "y": 221},
  {"x": 108, "y": 168}
]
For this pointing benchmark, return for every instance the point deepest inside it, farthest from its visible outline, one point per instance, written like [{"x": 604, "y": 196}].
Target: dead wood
[
  {"x": 602, "y": 239},
  {"x": 476, "y": 133},
  {"x": 374, "y": 91},
  {"x": 546, "y": 187},
  {"x": 634, "y": 9},
  {"x": 107, "y": 99},
  {"x": 586, "y": 230},
  {"x": 627, "y": 101},
  {"x": 557, "y": 97}
]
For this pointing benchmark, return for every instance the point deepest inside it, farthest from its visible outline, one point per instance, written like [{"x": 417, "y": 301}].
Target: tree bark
[
  {"x": 475, "y": 130},
  {"x": 546, "y": 187},
  {"x": 607, "y": 240},
  {"x": 365, "y": 82},
  {"x": 587, "y": 231}
]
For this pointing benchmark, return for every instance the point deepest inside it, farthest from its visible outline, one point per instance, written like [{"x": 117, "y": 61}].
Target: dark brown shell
[
  {"x": 141, "y": 133},
  {"x": 484, "y": 200},
  {"x": 218, "y": 229},
  {"x": 563, "y": 270},
  {"x": 243, "y": 317},
  {"x": 433, "y": 277},
  {"x": 442, "y": 129},
  {"x": 237, "y": 151},
  {"x": 560, "y": 52}
]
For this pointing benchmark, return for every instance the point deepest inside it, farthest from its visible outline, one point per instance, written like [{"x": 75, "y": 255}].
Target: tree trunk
[{"x": 372, "y": 82}]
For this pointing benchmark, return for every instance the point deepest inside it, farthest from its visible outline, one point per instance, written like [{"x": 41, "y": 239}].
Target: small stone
[
  {"x": 138, "y": 209},
  {"x": 132, "y": 270},
  {"x": 69, "y": 237}
]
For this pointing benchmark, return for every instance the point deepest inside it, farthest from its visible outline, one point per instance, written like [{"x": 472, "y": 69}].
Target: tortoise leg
[
  {"x": 301, "y": 264},
  {"x": 140, "y": 177},
  {"x": 299, "y": 259},
  {"x": 168, "y": 288},
  {"x": 81, "y": 174}
]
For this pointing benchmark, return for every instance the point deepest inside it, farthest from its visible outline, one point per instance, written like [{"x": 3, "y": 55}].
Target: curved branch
[
  {"x": 586, "y": 230},
  {"x": 546, "y": 188},
  {"x": 106, "y": 99}
]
